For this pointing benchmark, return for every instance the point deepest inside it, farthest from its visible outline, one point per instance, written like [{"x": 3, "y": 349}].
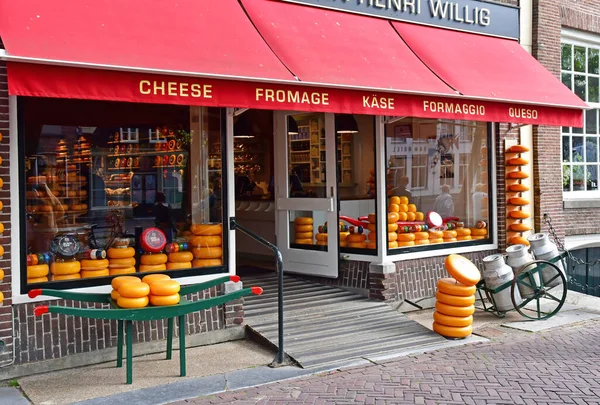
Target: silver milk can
[
  {"x": 518, "y": 256},
  {"x": 495, "y": 274},
  {"x": 544, "y": 249}
]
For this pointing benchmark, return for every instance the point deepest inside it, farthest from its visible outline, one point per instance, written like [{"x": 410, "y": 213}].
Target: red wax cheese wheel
[
  {"x": 153, "y": 240},
  {"x": 518, "y": 149},
  {"x": 462, "y": 269},
  {"x": 452, "y": 331},
  {"x": 433, "y": 219},
  {"x": 518, "y": 161},
  {"x": 453, "y": 287},
  {"x": 518, "y": 201},
  {"x": 517, "y": 175},
  {"x": 518, "y": 188},
  {"x": 459, "y": 321},
  {"x": 455, "y": 300},
  {"x": 519, "y": 214}
]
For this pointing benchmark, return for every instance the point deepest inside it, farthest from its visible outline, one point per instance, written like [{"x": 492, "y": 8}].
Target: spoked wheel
[{"x": 544, "y": 289}]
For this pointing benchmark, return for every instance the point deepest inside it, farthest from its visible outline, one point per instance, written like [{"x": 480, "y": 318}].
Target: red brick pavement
[{"x": 559, "y": 366}]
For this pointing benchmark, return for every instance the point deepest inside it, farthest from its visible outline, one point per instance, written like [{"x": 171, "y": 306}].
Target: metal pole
[{"x": 233, "y": 225}]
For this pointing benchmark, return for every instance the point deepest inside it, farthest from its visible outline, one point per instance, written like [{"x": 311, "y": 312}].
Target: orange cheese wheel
[
  {"x": 321, "y": 237},
  {"x": 207, "y": 252},
  {"x": 463, "y": 232},
  {"x": 406, "y": 237},
  {"x": 517, "y": 174},
  {"x": 391, "y": 245},
  {"x": 179, "y": 265},
  {"x": 392, "y": 227},
  {"x": 411, "y": 216},
  {"x": 152, "y": 278},
  {"x": 37, "y": 280},
  {"x": 393, "y": 208},
  {"x": 66, "y": 277},
  {"x": 519, "y": 214},
  {"x": 370, "y": 245},
  {"x": 164, "y": 287},
  {"x": 120, "y": 253},
  {"x": 181, "y": 257},
  {"x": 477, "y": 237},
  {"x": 422, "y": 242},
  {"x": 421, "y": 235},
  {"x": 356, "y": 238},
  {"x": 155, "y": 258},
  {"x": 449, "y": 234},
  {"x": 207, "y": 229},
  {"x": 518, "y": 161},
  {"x": 462, "y": 269},
  {"x": 452, "y": 331},
  {"x": 394, "y": 200},
  {"x": 468, "y": 237},
  {"x": 207, "y": 262},
  {"x": 519, "y": 240},
  {"x": 133, "y": 289},
  {"x": 518, "y": 187},
  {"x": 403, "y": 199},
  {"x": 447, "y": 240},
  {"x": 403, "y": 216},
  {"x": 372, "y": 218},
  {"x": 301, "y": 235},
  {"x": 304, "y": 241},
  {"x": 452, "y": 287},
  {"x": 303, "y": 228},
  {"x": 359, "y": 245},
  {"x": 454, "y": 311},
  {"x": 65, "y": 268},
  {"x": 145, "y": 268},
  {"x": 456, "y": 321},
  {"x": 164, "y": 300},
  {"x": 403, "y": 207},
  {"x": 322, "y": 243},
  {"x": 520, "y": 227},
  {"x": 87, "y": 264},
  {"x": 518, "y": 149},
  {"x": 37, "y": 271},
  {"x": 392, "y": 217},
  {"x": 121, "y": 270},
  {"x": 303, "y": 221},
  {"x": 392, "y": 236},
  {"x": 478, "y": 231},
  {"x": 94, "y": 273},
  {"x": 436, "y": 240},
  {"x": 412, "y": 208},
  {"x": 406, "y": 244},
  {"x": 436, "y": 234},
  {"x": 114, "y": 294},
  {"x": 125, "y": 302},
  {"x": 118, "y": 281},
  {"x": 373, "y": 228},
  {"x": 206, "y": 241},
  {"x": 419, "y": 216},
  {"x": 518, "y": 201},
  {"x": 121, "y": 263}
]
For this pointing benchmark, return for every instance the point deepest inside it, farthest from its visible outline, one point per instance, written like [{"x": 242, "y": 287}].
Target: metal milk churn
[
  {"x": 518, "y": 256},
  {"x": 495, "y": 274},
  {"x": 544, "y": 249}
]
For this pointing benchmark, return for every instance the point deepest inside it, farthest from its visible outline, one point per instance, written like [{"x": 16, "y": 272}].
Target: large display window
[
  {"x": 438, "y": 184},
  {"x": 119, "y": 188}
]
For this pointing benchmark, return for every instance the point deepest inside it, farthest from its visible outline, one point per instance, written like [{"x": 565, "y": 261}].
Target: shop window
[
  {"x": 580, "y": 64},
  {"x": 447, "y": 172},
  {"x": 96, "y": 175}
]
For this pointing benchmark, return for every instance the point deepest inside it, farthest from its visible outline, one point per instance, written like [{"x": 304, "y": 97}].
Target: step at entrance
[{"x": 324, "y": 324}]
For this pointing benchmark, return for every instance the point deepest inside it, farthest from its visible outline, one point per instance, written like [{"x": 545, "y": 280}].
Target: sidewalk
[{"x": 242, "y": 364}]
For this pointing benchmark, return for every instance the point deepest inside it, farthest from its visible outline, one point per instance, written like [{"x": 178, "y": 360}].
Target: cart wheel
[
  {"x": 493, "y": 309},
  {"x": 545, "y": 301}
]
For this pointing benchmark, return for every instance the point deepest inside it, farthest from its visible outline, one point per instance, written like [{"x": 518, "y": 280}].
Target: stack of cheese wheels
[
  {"x": 153, "y": 262},
  {"x": 449, "y": 235},
  {"x": 303, "y": 226},
  {"x": 321, "y": 238},
  {"x": 518, "y": 216},
  {"x": 343, "y": 236},
  {"x": 94, "y": 268},
  {"x": 372, "y": 235},
  {"x": 463, "y": 234},
  {"x": 121, "y": 260},
  {"x": 455, "y": 298},
  {"x": 37, "y": 273},
  {"x": 132, "y": 293},
  {"x": 65, "y": 269},
  {"x": 436, "y": 236},
  {"x": 164, "y": 292},
  {"x": 207, "y": 252},
  {"x": 116, "y": 283},
  {"x": 480, "y": 231},
  {"x": 180, "y": 260}
]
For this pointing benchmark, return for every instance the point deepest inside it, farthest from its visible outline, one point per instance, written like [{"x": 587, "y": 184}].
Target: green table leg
[
  {"x": 169, "y": 338},
  {"x": 119, "y": 343},
  {"x": 182, "y": 345},
  {"x": 129, "y": 352}
]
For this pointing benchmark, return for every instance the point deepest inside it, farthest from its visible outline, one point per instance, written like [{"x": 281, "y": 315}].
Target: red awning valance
[{"x": 274, "y": 55}]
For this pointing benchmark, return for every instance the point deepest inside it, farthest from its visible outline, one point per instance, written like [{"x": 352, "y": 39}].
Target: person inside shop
[
  {"x": 163, "y": 217},
  {"x": 444, "y": 205},
  {"x": 402, "y": 188}
]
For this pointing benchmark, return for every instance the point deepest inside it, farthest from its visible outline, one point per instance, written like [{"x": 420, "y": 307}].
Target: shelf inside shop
[{"x": 147, "y": 153}]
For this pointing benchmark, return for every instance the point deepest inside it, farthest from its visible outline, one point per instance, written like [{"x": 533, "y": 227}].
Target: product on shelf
[
  {"x": 164, "y": 292},
  {"x": 303, "y": 227},
  {"x": 180, "y": 260},
  {"x": 121, "y": 258},
  {"x": 454, "y": 302}
]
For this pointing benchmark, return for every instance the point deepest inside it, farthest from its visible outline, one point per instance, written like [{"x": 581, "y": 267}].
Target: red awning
[{"x": 277, "y": 56}]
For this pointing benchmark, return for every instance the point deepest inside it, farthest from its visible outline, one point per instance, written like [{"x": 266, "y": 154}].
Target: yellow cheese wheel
[
  {"x": 394, "y": 200},
  {"x": 343, "y": 243},
  {"x": 65, "y": 268},
  {"x": 463, "y": 232},
  {"x": 453, "y": 331},
  {"x": 181, "y": 257},
  {"x": 155, "y": 258},
  {"x": 454, "y": 311},
  {"x": 518, "y": 174},
  {"x": 518, "y": 161},
  {"x": 436, "y": 240},
  {"x": 37, "y": 280},
  {"x": 152, "y": 278},
  {"x": 134, "y": 289},
  {"x": 519, "y": 214},
  {"x": 359, "y": 245},
  {"x": 303, "y": 221},
  {"x": 462, "y": 269},
  {"x": 422, "y": 242},
  {"x": 392, "y": 227},
  {"x": 121, "y": 270},
  {"x": 125, "y": 302},
  {"x": 145, "y": 268},
  {"x": 419, "y": 216},
  {"x": 403, "y": 200},
  {"x": 66, "y": 277},
  {"x": 304, "y": 241},
  {"x": 370, "y": 245},
  {"x": 356, "y": 238},
  {"x": 117, "y": 281},
  {"x": 303, "y": 228},
  {"x": 452, "y": 320},
  {"x": 447, "y": 240},
  {"x": 392, "y": 217},
  {"x": 518, "y": 187},
  {"x": 393, "y": 208},
  {"x": 406, "y": 237},
  {"x": 421, "y": 235},
  {"x": 391, "y": 245},
  {"x": 114, "y": 294},
  {"x": 518, "y": 149},
  {"x": 519, "y": 240},
  {"x": 37, "y": 271},
  {"x": 449, "y": 234},
  {"x": 207, "y": 229},
  {"x": 518, "y": 201},
  {"x": 207, "y": 262},
  {"x": 520, "y": 227},
  {"x": 403, "y": 216},
  {"x": 436, "y": 234},
  {"x": 478, "y": 231},
  {"x": 344, "y": 235},
  {"x": 164, "y": 300},
  {"x": 120, "y": 253},
  {"x": 412, "y": 208},
  {"x": 206, "y": 241},
  {"x": 319, "y": 236},
  {"x": 94, "y": 273},
  {"x": 406, "y": 244},
  {"x": 411, "y": 216},
  {"x": 121, "y": 263},
  {"x": 164, "y": 287},
  {"x": 453, "y": 287},
  {"x": 207, "y": 252},
  {"x": 403, "y": 207},
  {"x": 322, "y": 243},
  {"x": 179, "y": 265},
  {"x": 478, "y": 237},
  {"x": 1, "y": 227},
  {"x": 304, "y": 235},
  {"x": 392, "y": 236},
  {"x": 468, "y": 237},
  {"x": 88, "y": 264}
]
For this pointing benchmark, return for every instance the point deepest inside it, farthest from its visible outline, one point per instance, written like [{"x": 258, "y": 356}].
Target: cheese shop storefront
[{"x": 133, "y": 140}]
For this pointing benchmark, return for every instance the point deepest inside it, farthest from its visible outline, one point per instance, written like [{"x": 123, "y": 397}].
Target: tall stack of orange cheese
[
  {"x": 303, "y": 227},
  {"x": 206, "y": 245},
  {"x": 121, "y": 260},
  {"x": 517, "y": 215},
  {"x": 455, "y": 297},
  {"x": 401, "y": 210},
  {"x": 94, "y": 268}
]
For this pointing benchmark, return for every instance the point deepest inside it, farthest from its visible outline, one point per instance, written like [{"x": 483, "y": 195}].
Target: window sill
[{"x": 581, "y": 203}]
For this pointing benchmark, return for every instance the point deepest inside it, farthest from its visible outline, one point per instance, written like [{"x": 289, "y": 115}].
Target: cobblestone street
[{"x": 558, "y": 366}]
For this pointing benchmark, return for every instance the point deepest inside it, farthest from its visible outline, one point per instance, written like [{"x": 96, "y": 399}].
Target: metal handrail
[{"x": 233, "y": 225}]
